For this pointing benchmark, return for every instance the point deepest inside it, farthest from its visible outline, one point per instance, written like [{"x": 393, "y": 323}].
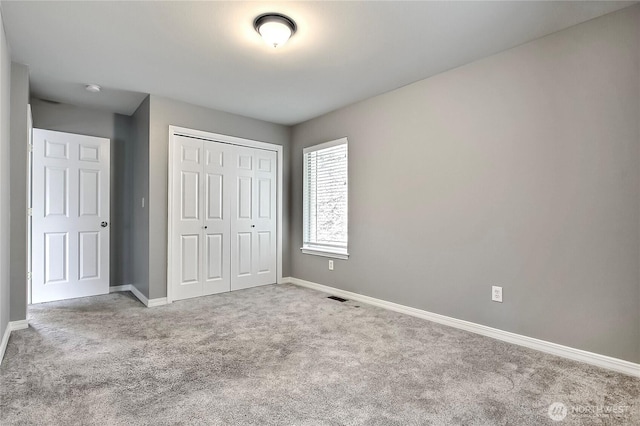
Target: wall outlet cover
[{"x": 496, "y": 293}]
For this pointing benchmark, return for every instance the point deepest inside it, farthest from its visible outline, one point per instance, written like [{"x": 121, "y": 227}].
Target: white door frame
[
  {"x": 29, "y": 200},
  {"x": 233, "y": 140}
]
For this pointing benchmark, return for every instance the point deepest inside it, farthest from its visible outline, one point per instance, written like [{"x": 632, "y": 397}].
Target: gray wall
[
  {"x": 5, "y": 198},
  {"x": 118, "y": 128},
  {"x": 140, "y": 186},
  {"x": 519, "y": 170},
  {"x": 165, "y": 112},
  {"x": 19, "y": 165}
]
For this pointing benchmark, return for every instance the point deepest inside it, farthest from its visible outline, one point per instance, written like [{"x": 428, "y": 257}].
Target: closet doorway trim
[{"x": 232, "y": 140}]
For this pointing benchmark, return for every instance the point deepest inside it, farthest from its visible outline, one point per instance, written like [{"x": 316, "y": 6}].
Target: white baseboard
[
  {"x": 149, "y": 303},
  {"x": 5, "y": 341},
  {"x": 18, "y": 325},
  {"x": 157, "y": 302},
  {"x": 598, "y": 360},
  {"x": 11, "y": 326}
]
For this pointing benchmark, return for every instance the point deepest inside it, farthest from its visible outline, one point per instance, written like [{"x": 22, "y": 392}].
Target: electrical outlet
[
  {"x": 331, "y": 265},
  {"x": 496, "y": 293},
  {"x": 142, "y": 202}
]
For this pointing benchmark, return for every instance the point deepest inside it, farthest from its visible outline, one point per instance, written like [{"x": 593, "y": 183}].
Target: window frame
[{"x": 320, "y": 249}]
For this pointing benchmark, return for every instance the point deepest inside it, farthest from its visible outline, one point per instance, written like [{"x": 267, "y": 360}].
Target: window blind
[{"x": 326, "y": 197}]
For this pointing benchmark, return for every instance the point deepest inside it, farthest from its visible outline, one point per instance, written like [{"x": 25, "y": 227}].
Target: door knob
[{"x": 104, "y": 224}]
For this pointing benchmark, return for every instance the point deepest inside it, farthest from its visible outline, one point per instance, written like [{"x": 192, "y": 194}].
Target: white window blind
[{"x": 326, "y": 199}]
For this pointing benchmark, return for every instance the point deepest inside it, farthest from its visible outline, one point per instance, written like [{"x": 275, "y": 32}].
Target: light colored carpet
[{"x": 284, "y": 355}]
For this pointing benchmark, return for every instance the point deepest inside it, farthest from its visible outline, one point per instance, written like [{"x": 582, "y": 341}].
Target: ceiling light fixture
[
  {"x": 275, "y": 28},
  {"x": 93, "y": 88}
]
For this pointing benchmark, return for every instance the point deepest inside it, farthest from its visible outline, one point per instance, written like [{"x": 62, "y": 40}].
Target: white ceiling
[{"x": 207, "y": 53}]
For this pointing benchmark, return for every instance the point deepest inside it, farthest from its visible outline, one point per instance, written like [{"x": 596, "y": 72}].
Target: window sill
[{"x": 325, "y": 253}]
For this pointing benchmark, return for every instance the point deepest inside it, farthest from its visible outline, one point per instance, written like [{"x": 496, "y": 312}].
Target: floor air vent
[{"x": 339, "y": 299}]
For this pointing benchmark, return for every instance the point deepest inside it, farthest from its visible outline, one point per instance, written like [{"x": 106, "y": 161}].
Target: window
[{"x": 326, "y": 199}]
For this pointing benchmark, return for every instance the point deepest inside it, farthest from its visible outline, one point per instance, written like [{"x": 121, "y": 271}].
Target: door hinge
[
  {"x": 28, "y": 275},
  {"x": 30, "y": 147},
  {"x": 29, "y": 212}
]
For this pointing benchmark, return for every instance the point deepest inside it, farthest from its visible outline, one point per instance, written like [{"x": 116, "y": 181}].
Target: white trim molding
[
  {"x": 324, "y": 253},
  {"x": 5, "y": 341},
  {"x": 18, "y": 325},
  {"x": 11, "y": 326},
  {"x": 149, "y": 303},
  {"x": 160, "y": 301},
  {"x": 615, "y": 364}
]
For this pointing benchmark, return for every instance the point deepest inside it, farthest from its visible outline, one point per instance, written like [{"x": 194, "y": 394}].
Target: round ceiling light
[
  {"x": 274, "y": 28},
  {"x": 93, "y": 88}
]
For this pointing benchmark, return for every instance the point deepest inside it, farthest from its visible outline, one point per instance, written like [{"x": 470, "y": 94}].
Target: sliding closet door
[{"x": 253, "y": 218}]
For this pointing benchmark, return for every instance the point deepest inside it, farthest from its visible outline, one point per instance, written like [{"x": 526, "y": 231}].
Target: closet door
[
  {"x": 187, "y": 214},
  {"x": 223, "y": 217},
  {"x": 253, "y": 218},
  {"x": 216, "y": 245},
  {"x": 201, "y": 212}
]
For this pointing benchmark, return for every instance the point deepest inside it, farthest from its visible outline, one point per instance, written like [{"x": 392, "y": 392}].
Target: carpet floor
[{"x": 284, "y": 355}]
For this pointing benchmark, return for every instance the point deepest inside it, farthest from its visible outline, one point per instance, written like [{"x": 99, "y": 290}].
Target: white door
[
  {"x": 223, "y": 217},
  {"x": 201, "y": 218},
  {"x": 70, "y": 217},
  {"x": 215, "y": 245},
  {"x": 253, "y": 218}
]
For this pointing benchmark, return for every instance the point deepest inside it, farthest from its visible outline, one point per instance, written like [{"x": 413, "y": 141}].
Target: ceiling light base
[
  {"x": 275, "y": 28},
  {"x": 93, "y": 88}
]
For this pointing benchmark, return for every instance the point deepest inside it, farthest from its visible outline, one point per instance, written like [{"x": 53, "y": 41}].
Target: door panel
[
  {"x": 70, "y": 186},
  {"x": 89, "y": 192},
  {"x": 214, "y": 256},
  {"x": 245, "y": 159},
  {"x": 89, "y": 255},
  {"x": 191, "y": 153},
  {"x": 56, "y": 191},
  {"x": 56, "y": 149},
  {"x": 90, "y": 153},
  {"x": 264, "y": 198},
  {"x": 265, "y": 249},
  {"x": 187, "y": 211},
  {"x": 264, "y": 252},
  {"x": 243, "y": 255},
  {"x": 190, "y": 196},
  {"x": 56, "y": 255},
  {"x": 190, "y": 252},
  {"x": 214, "y": 196},
  {"x": 216, "y": 245},
  {"x": 244, "y": 197},
  {"x": 253, "y": 223},
  {"x": 201, "y": 266}
]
